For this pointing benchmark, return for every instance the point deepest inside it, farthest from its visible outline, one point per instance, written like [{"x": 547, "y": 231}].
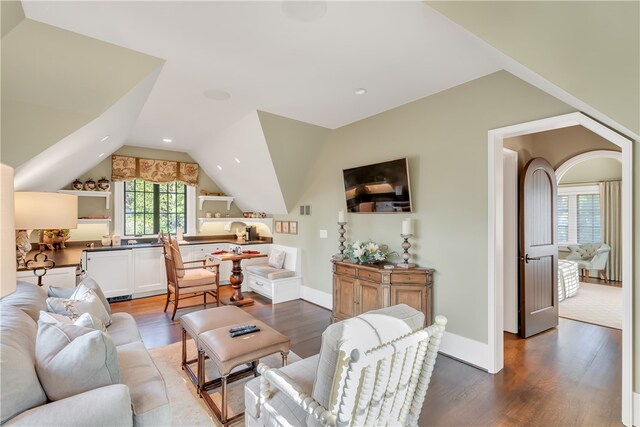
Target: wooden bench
[{"x": 269, "y": 282}]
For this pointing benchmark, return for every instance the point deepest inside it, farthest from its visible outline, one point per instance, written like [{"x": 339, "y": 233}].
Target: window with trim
[
  {"x": 579, "y": 215},
  {"x": 150, "y": 208}
]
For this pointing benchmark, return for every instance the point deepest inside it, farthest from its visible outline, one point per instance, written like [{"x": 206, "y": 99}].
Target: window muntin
[{"x": 150, "y": 208}]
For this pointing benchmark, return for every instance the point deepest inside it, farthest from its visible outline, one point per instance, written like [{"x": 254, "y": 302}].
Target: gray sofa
[{"x": 140, "y": 400}]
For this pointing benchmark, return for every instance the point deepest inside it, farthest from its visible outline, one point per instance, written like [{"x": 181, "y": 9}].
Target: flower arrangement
[
  {"x": 56, "y": 232},
  {"x": 366, "y": 252}
]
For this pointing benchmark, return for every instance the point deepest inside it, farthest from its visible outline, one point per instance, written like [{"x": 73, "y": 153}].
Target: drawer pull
[{"x": 259, "y": 284}]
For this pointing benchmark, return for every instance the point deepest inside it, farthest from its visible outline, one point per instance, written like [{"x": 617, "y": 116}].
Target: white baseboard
[
  {"x": 465, "y": 349},
  {"x": 323, "y": 299},
  {"x": 636, "y": 409}
]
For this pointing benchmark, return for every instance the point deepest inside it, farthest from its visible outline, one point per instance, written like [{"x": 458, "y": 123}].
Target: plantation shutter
[{"x": 588, "y": 213}]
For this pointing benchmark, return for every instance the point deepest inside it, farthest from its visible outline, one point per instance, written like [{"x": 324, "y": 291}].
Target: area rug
[
  {"x": 187, "y": 408},
  {"x": 597, "y": 304}
]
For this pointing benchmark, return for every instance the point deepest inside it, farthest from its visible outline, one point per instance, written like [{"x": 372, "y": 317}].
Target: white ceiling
[{"x": 398, "y": 51}]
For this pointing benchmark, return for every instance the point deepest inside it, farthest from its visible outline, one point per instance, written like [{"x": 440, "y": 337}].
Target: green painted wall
[
  {"x": 55, "y": 81},
  {"x": 293, "y": 146},
  {"x": 444, "y": 136},
  {"x": 591, "y": 49},
  {"x": 11, "y": 13}
]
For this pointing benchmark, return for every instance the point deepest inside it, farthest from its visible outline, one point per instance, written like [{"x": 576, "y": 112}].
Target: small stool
[
  {"x": 205, "y": 320},
  {"x": 227, "y": 353}
]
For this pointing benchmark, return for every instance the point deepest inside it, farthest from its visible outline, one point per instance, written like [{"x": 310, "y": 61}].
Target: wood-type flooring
[{"x": 567, "y": 376}]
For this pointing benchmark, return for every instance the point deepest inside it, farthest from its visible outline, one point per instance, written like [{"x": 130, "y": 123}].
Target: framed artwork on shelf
[
  {"x": 278, "y": 226},
  {"x": 285, "y": 227},
  {"x": 293, "y": 227}
]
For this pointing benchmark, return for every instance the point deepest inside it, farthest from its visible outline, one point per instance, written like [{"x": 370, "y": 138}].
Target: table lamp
[
  {"x": 42, "y": 211},
  {"x": 7, "y": 233}
]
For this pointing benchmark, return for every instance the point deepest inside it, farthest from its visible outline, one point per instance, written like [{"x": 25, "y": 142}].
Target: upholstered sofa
[
  {"x": 590, "y": 256},
  {"x": 140, "y": 398}
]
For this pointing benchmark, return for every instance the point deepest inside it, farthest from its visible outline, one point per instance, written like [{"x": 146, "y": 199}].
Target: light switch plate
[{"x": 323, "y": 234}]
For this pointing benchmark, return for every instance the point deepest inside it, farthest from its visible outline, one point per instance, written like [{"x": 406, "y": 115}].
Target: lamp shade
[
  {"x": 7, "y": 233},
  {"x": 43, "y": 211}
]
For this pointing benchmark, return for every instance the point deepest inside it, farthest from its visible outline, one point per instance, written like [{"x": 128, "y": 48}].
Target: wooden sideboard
[{"x": 360, "y": 288}]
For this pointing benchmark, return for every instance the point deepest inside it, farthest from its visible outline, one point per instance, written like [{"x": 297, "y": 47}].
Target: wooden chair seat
[{"x": 187, "y": 282}]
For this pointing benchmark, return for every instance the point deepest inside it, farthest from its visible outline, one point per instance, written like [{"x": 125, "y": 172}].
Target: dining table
[{"x": 236, "y": 277}]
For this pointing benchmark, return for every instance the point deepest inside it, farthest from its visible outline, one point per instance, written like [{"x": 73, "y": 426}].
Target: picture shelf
[
  {"x": 248, "y": 221},
  {"x": 82, "y": 193}
]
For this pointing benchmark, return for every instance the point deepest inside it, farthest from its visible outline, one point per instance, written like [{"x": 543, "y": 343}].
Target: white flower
[
  {"x": 358, "y": 252},
  {"x": 356, "y": 244},
  {"x": 378, "y": 256},
  {"x": 372, "y": 247}
]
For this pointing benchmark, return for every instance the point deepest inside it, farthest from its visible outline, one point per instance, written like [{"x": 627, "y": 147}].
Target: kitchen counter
[
  {"x": 187, "y": 243},
  {"x": 69, "y": 257}
]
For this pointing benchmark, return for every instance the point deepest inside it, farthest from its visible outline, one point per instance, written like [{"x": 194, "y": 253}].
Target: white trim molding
[
  {"x": 323, "y": 299},
  {"x": 495, "y": 255},
  {"x": 465, "y": 349},
  {"x": 589, "y": 155},
  {"x": 636, "y": 409}
]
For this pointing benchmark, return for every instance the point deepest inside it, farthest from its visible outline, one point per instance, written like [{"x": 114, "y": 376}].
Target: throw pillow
[
  {"x": 72, "y": 359},
  {"x": 28, "y": 297},
  {"x": 86, "y": 281},
  {"x": 276, "y": 258},
  {"x": 85, "y": 320},
  {"x": 83, "y": 300}
]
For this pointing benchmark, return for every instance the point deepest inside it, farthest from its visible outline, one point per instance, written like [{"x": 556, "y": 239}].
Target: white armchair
[
  {"x": 373, "y": 369},
  {"x": 591, "y": 256}
]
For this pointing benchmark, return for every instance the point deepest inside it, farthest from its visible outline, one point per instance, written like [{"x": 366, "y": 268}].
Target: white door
[
  {"x": 510, "y": 221},
  {"x": 148, "y": 271},
  {"x": 112, "y": 270}
]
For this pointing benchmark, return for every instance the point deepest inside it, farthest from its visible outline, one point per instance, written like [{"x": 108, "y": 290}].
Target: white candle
[
  {"x": 340, "y": 216},
  {"x": 407, "y": 226}
]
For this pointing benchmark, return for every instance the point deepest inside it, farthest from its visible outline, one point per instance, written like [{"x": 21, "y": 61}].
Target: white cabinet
[
  {"x": 148, "y": 271},
  {"x": 113, "y": 270},
  {"x": 64, "y": 277}
]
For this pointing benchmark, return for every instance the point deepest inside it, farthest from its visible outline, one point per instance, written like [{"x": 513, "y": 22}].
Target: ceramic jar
[
  {"x": 90, "y": 185},
  {"x": 106, "y": 240},
  {"x": 77, "y": 185},
  {"x": 104, "y": 184}
]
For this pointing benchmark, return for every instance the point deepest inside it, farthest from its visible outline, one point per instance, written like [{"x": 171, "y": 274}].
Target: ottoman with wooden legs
[
  {"x": 228, "y": 353},
  {"x": 201, "y": 321}
]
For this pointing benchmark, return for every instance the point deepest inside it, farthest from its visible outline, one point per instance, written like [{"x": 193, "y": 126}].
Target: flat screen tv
[{"x": 378, "y": 188}]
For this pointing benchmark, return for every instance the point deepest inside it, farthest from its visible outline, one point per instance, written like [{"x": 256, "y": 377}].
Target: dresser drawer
[
  {"x": 409, "y": 278},
  {"x": 343, "y": 269},
  {"x": 260, "y": 285},
  {"x": 369, "y": 275}
]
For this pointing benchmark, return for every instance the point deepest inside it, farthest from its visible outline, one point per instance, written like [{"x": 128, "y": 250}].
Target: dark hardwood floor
[{"x": 568, "y": 376}]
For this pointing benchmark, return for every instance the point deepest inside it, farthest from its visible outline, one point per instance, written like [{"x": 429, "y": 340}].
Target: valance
[{"x": 124, "y": 168}]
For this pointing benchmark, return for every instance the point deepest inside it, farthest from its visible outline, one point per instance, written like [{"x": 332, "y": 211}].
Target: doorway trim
[{"x": 495, "y": 257}]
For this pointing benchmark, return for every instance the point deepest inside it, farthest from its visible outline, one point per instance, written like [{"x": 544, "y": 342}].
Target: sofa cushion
[
  {"x": 123, "y": 329},
  {"x": 363, "y": 332},
  {"x": 72, "y": 359},
  {"x": 93, "y": 285},
  {"x": 21, "y": 389},
  {"x": 85, "y": 320},
  {"x": 301, "y": 372},
  {"x": 83, "y": 300},
  {"x": 276, "y": 258},
  {"x": 28, "y": 297},
  {"x": 147, "y": 388},
  {"x": 177, "y": 258},
  {"x": 271, "y": 273}
]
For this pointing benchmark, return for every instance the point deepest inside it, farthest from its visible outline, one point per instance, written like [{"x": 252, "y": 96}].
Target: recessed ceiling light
[
  {"x": 236, "y": 159},
  {"x": 360, "y": 91},
  {"x": 101, "y": 154},
  {"x": 216, "y": 95},
  {"x": 167, "y": 140},
  {"x": 304, "y": 11},
  {"x": 219, "y": 167},
  {"x": 104, "y": 138}
]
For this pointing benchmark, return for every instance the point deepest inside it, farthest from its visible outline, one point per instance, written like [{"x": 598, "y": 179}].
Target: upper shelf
[
  {"x": 82, "y": 193},
  {"x": 227, "y": 199},
  {"x": 94, "y": 220},
  {"x": 266, "y": 221}
]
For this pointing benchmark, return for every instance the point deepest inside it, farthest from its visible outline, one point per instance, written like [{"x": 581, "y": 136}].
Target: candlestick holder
[
  {"x": 405, "y": 256},
  {"x": 342, "y": 239}
]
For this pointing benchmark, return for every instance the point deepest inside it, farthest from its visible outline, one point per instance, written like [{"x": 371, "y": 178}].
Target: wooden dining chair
[{"x": 184, "y": 282}]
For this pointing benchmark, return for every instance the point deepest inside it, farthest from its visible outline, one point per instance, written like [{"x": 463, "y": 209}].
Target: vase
[
  {"x": 77, "y": 185},
  {"x": 103, "y": 184},
  {"x": 90, "y": 185}
]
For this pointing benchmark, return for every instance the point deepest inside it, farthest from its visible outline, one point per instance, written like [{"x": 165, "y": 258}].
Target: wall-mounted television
[{"x": 378, "y": 188}]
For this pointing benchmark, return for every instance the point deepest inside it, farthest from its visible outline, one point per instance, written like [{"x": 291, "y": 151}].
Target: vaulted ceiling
[{"x": 239, "y": 80}]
